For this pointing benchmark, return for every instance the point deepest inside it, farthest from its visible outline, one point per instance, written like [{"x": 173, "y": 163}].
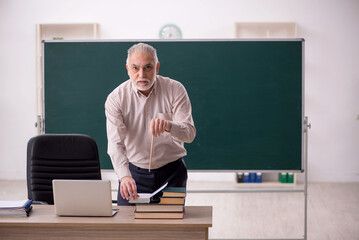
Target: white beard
[{"x": 146, "y": 87}]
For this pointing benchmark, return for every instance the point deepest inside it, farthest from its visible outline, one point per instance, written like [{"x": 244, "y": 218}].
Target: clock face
[{"x": 170, "y": 31}]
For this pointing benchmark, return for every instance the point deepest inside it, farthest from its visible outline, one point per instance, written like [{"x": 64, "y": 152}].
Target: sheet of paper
[
  {"x": 13, "y": 204},
  {"x": 146, "y": 197}
]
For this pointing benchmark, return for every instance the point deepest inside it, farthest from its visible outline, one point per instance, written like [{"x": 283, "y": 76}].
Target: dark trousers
[{"x": 175, "y": 173}]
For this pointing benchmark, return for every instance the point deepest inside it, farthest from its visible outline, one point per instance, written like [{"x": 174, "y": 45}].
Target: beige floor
[{"x": 333, "y": 211}]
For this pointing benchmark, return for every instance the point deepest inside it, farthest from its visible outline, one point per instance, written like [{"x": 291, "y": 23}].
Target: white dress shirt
[{"x": 129, "y": 114}]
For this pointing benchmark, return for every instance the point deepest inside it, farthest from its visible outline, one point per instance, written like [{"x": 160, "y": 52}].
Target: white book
[{"x": 146, "y": 197}]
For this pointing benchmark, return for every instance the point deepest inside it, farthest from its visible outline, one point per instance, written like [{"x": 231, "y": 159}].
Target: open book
[{"x": 146, "y": 197}]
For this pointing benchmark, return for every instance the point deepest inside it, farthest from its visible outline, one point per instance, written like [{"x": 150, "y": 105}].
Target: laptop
[{"x": 83, "y": 198}]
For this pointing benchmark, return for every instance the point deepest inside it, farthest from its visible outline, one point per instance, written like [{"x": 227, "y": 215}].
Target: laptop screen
[{"x": 82, "y": 197}]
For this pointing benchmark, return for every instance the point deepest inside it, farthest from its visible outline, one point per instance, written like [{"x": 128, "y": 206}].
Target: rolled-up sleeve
[{"x": 116, "y": 134}]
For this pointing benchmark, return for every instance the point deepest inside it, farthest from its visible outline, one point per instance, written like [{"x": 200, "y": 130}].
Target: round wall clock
[{"x": 170, "y": 31}]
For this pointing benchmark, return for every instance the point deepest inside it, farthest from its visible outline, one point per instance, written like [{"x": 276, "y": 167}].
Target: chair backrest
[{"x": 59, "y": 156}]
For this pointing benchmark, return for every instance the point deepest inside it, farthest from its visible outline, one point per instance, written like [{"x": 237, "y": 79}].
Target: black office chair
[{"x": 59, "y": 156}]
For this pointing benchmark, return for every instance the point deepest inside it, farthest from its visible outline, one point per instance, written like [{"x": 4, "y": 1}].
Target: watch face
[{"x": 170, "y": 31}]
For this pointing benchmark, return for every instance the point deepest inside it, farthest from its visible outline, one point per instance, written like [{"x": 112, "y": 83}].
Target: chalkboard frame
[{"x": 208, "y": 40}]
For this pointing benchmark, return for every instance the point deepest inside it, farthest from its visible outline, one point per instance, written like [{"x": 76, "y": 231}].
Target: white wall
[{"x": 329, "y": 27}]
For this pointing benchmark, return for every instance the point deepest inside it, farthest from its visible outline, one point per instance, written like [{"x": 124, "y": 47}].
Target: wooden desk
[{"x": 44, "y": 224}]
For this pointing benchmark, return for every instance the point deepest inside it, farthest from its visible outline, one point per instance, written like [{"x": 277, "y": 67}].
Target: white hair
[{"x": 142, "y": 47}]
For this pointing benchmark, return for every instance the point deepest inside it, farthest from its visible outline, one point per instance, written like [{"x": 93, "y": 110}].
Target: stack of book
[
  {"x": 171, "y": 205},
  {"x": 173, "y": 195},
  {"x": 15, "y": 208}
]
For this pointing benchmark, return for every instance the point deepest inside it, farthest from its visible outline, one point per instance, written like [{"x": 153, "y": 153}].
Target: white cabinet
[
  {"x": 56, "y": 31},
  {"x": 266, "y": 30}
]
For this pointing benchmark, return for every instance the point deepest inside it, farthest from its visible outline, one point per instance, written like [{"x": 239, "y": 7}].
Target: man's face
[{"x": 142, "y": 70}]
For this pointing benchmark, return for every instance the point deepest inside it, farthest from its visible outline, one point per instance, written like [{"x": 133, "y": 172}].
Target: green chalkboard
[{"x": 247, "y": 96}]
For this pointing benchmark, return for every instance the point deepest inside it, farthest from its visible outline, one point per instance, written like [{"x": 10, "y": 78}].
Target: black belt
[{"x": 157, "y": 169}]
